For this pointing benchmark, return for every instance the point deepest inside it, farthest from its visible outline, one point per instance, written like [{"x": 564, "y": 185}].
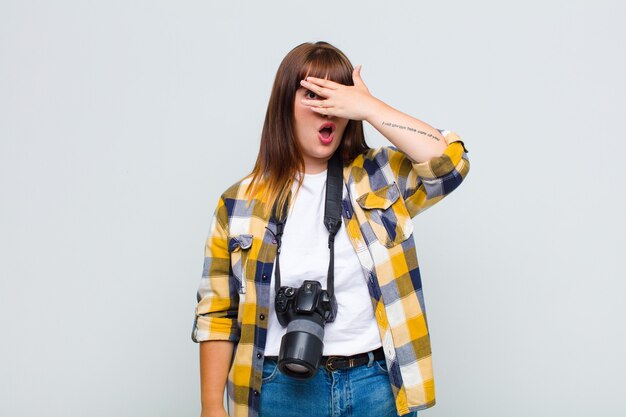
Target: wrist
[
  {"x": 213, "y": 412},
  {"x": 375, "y": 108}
]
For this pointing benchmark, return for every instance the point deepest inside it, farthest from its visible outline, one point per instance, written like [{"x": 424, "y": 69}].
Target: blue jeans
[{"x": 363, "y": 391}]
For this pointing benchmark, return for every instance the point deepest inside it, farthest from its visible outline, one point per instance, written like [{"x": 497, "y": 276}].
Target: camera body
[
  {"x": 309, "y": 299},
  {"x": 304, "y": 311}
]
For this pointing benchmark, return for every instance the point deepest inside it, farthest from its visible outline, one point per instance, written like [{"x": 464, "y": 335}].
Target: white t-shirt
[{"x": 305, "y": 255}]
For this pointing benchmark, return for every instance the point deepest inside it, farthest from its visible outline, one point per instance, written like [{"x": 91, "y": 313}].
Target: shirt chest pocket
[
  {"x": 239, "y": 248},
  {"x": 387, "y": 214}
]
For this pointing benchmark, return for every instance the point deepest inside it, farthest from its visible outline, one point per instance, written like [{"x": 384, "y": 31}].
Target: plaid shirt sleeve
[
  {"x": 218, "y": 298},
  {"x": 426, "y": 183}
]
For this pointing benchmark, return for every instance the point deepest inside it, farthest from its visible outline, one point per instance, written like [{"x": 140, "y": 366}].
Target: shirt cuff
[
  {"x": 215, "y": 328},
  {"x": 447, "y": 162}
]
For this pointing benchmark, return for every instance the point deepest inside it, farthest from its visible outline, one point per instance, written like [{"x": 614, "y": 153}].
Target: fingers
[
  {"x": 323, "y": 110},
  {"x": 356, "y": 76},
  {"x": 331, "y": 85},
  {"x": 317, "y": 103},
  {"x": 320, "y": 106},
  {"x": 324, "y": 85},
  {"x": 320, "y": 91}
]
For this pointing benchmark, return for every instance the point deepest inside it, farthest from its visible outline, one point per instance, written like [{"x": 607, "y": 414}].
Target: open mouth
[{"x": 326, "y": 132}]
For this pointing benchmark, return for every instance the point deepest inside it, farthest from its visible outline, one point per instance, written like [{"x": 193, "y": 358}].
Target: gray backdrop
[{"x": 122, "y": 122}]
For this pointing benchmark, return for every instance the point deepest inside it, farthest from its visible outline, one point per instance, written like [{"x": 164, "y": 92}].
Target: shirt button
[
  {"x": 262, "y": 317},
  {"x": 256, "y": 393},
  {"x": 264, "y": 277},
  {"x": 258, "y": 355}
]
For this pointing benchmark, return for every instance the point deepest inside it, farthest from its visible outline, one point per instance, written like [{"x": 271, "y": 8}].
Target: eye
[{"x": 307, "y": 92}]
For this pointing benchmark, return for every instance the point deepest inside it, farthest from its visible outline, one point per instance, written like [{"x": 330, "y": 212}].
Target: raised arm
[
  {"x": 417, "y": 139},
  {"x": 428, "y": 163}
]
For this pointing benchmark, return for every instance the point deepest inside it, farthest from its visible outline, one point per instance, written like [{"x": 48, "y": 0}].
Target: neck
[{"x": 315, "y": 166}]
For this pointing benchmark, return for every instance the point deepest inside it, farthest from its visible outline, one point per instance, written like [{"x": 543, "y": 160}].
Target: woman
[{"x": 376, "y": 357}]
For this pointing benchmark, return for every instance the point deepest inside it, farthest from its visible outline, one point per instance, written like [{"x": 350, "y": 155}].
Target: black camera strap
[
  {"x": 332, "y": 219},
  {"x": 332, "y": 212}
]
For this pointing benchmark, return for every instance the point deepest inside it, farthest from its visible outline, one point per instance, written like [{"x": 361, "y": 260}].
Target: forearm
[
  {"x": 420, "y": 141},
  {"x": 215, "y": 359}
]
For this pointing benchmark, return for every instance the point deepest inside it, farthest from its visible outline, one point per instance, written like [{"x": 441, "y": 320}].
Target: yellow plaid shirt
[{"x": 384, "y": 189}]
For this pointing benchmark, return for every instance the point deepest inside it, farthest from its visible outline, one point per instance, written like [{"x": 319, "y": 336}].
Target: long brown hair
[{"x": 280, "y": 158}]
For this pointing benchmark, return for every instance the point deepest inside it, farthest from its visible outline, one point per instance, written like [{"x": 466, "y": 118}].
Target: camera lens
[
  {"x": 301, "y": 347},
  {"x": 297, "y": 368}
]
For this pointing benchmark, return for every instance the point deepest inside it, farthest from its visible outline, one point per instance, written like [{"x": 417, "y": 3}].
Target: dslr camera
[{"x": 304, "y": 311}]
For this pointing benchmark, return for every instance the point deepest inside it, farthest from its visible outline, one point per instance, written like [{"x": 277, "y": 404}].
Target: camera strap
[{"x": 332, "y": 219}]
